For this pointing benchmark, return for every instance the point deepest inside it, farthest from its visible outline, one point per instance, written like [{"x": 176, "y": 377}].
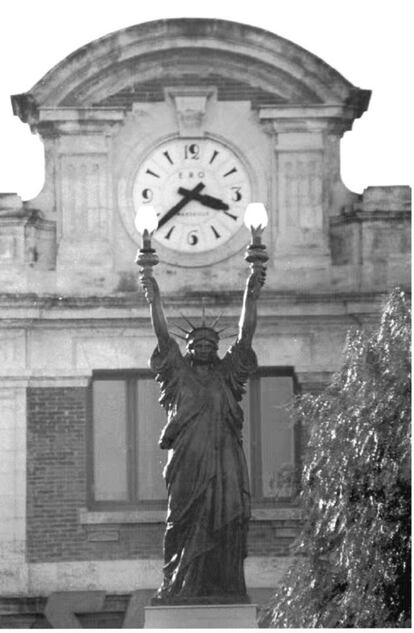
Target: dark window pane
[
  {"x": 277, "y": 436},
  {"x": 109, "y": 439}
]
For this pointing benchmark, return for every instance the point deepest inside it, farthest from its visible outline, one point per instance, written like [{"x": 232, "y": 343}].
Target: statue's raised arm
[
  {"x": 248, "y": 318},
  {"x": 159, "y": 322}
]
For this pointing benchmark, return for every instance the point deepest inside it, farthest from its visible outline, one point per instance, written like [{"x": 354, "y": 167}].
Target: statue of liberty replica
[{"x": 206, "y": 473}]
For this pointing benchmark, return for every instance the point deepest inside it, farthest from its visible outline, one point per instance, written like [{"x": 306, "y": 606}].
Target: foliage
[{"x": 353, "y": 557}]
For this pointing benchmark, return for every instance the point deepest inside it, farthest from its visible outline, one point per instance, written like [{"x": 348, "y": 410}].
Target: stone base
[{"x": 218, "y": 616}]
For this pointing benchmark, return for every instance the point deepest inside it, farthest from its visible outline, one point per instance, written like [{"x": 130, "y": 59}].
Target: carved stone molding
[
  {"x": 55, "y": 122},
  {"x": 190, "y": 105},
  {"x": 334, "y": 119}
]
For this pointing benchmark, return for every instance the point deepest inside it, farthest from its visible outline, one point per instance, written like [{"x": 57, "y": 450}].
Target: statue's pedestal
[{"x": 200, "y": 616}]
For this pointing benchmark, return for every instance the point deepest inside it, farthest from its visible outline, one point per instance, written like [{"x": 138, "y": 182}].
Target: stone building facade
[{"x": 81, "y": 492}]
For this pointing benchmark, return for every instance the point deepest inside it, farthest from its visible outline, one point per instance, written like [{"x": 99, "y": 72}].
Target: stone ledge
[
  {"x": 99, "y": 517},
  {"x": 59, "y": 381},
  {"x": 129, "y": 300},
  {"x": 81, "y": 114},
  {"x": 26, "y": 379},
  {"x": 117, "y": 576}
]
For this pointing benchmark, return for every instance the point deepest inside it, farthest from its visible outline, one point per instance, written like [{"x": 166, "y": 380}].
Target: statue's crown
[{"x": 203, "y": 332}]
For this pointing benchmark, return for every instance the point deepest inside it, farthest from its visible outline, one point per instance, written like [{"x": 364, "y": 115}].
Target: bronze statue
[{"x": 206, "y": 474}]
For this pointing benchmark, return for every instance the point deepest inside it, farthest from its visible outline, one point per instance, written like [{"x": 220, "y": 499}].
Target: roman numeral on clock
[
  {"x": 152, "y": 173},
  {"x": 168, "y": 235}
]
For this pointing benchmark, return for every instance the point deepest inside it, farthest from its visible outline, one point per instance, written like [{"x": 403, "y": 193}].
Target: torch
[
  {"x": 146, "y": 223},
  {"x": 256, "y": 221}
]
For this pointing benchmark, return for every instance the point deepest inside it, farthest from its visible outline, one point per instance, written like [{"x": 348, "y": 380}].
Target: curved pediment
[{"x": 134, "y": 63}]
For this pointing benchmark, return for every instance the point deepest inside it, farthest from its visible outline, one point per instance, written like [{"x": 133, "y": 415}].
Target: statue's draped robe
[{"x": 206, "y": 474}]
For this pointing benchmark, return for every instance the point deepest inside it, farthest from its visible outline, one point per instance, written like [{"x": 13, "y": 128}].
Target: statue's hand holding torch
[
  {"x": 256, "y": 281},
  {"x": 150, "y": 287}
]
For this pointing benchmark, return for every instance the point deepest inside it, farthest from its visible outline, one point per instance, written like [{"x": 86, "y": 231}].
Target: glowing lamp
[
  {"x": 256, "y": 220},
  {"x": 256, "y": 216},
  {"x": 146, "y": 219}
]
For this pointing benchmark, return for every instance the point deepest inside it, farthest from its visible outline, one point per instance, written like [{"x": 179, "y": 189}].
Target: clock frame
[{"x": 211, "y": 181}]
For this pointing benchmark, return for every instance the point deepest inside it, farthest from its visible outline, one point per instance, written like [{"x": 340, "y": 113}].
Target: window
[
  {"x": 126, "y": 421},
  {"x": 271, "y": 439}
]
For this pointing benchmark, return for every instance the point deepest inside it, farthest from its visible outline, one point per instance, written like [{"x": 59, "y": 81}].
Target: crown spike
[
  {"x": 216, "y": 320},
  {"x": 187, "y": 321},
  {"x": 226, "y": 327},
  {"x": 181, "y": 328},
  {"x": 178, "y": 335},
  {"x": 203, "y": 312},
  {"x": 229, "y": 336}
]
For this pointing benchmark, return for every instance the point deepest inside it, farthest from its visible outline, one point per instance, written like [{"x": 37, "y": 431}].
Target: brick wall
[
  {"x": 272, "y": 538},
  {"x": 153, "y": 90},
  {"x": 135, "y": 540},
  {"x": 56, "y": 473},
  {"x": 57, "y": 489}
]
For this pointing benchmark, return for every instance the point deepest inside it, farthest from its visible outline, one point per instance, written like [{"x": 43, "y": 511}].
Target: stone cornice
[
  {"x": 52, "y": 121},
  {"x": 333, "y": 118},
  {"x": 27, "y": 217},
  {"x": 213, "y": 299},
  {"x": 376, "y": 215},
  {"x": 27, "y": 379},
  {"x": 116, "y": 61},
  {"x": 22, "y": 311},
  {"x": 317, "y": 111},
  {"x": 25, "y": 107}
]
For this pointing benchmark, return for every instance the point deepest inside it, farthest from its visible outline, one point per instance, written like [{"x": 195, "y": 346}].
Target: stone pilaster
[
  {"x": 13, "y": 567},
  {"x": 79, "y": 144},
  {"x": 303, "y": 185}
]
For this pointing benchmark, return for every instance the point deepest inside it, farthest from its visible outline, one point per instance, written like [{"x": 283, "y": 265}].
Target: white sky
[{"x": 367, "y": 41}]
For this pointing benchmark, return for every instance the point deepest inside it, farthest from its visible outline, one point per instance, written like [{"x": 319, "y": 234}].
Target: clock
[{"x": 199, "y": 188}]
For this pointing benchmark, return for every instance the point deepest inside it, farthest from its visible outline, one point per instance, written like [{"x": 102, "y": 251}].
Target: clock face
[{"x": 199, "y": 189}]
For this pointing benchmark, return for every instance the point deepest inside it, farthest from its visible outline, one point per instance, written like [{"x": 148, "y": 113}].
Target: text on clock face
[
  {"x": 199, "y": 190},
  {"x": 191, "y": 174}
]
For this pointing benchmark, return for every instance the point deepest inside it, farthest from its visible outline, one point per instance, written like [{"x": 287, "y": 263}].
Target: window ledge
[
  {"x": 99, "y": 517},
  {"x": 276, "y": 514}
]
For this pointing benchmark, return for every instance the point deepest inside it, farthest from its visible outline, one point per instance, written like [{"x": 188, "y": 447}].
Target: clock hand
[
  {"x": 206, "y": 200},
  {"x": 187, "y": 196}
]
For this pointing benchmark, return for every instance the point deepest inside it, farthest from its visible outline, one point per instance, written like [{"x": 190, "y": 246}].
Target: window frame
[
  {"x": 131, "y": 376},
  {"x": 256, "y": 465}
]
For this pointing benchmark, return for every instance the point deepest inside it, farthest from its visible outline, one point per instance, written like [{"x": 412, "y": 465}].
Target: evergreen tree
[{"x": 353, "y": 557}]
